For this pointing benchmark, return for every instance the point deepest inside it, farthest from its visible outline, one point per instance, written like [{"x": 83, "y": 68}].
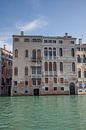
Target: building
[
  {"x": 81, "y": 67},
  {"x": 44, "y": 65},
  {"x": 5, "y": 71}
]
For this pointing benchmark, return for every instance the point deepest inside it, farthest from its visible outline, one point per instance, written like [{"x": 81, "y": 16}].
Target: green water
[{"x": 43, "y": 113}]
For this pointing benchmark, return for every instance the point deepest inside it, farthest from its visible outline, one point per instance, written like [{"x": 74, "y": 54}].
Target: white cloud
[{"x": 30, "y": 26}]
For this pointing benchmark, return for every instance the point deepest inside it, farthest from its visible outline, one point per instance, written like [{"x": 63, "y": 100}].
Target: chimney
[
  {"x": 22, "y": 33},
  {"x": 80, "y": 41}
]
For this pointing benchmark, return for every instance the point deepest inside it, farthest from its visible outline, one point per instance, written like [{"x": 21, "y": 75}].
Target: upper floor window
[
  {"x": 54, "y": 66},
  {"x": 84, "y": 59},
  {"x": 78, "y": 59},
  {"x": 16, "y": 71},
  {"x": 50, "y": 66},
  {"x": 61, "y": 66},
  {"x": 60, "y": 41},
  {"x": 38, "y": 70},
  {"x": 61, "y": 80},
  {"x": 26, "y": 53},
  {"x": 50, "y": 52},
  {"x": 72, "y": 52},
  {"x": 54, "y": 51},
  {"x": 84, "y": 74},
  {"x": 38, "y": 53},
  {"x": 60, "y": 52},
  {"x": 55, "y": 80},
  {"x": 26, "y": 70},
  {"x": 26, "y": 40},
  {"x": 34, "y": 54},
  {"x": 79, "y": 73},
  {"x": 46, "y": 80},
  {"x": 45, "y": 52},
  {"x": 16, "y": 52},
  {"x": 72, "y": 42},
  {"x": 16, "y": 39},
  {"x": 33, "y": 70},
  {"x": 73, "y": 67},
  {"x": 46, "y": 66}
]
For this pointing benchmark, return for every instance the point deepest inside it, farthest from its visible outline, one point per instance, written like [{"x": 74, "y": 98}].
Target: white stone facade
[{"x": 44, "y": 65}]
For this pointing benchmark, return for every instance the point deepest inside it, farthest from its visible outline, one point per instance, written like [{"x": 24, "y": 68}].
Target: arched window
[
  {"x": 46, "y": 66},
  {"x": 72, "y": 52},
  {"x": 50, "y": 53},
  {"x": 16, "y": 71},
  {"x": 45, "y": 52},
  {"x": 78, "y": 59},
  {"x": 54, "y": 66},
  {"x": 84, "y": 59},
  {"x": 26, "y": 70},
  {"x": 73, "y": 67},
  {"x": 26, "y": 53},
  {"x": 38, "y": 53},
  {"x": 34, "y": 54},
  {"x": 60, "y": 52},
  {"x": 16, "y": 52},
  {"x": 61, "y": 66},
  {"x": 79, "y": 73},
  {"x": 50, "y": 66},
  {"x": 84, "y": 74},
  {"x": 54, "y": 52}
]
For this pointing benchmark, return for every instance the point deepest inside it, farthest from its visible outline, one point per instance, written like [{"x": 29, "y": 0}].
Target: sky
[{"x": 42, "y": 17}]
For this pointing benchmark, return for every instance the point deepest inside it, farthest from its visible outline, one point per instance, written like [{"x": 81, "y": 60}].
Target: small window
[
  {"x": 72, "y": 52},
  {"x": 46, "y": 80},
  {"x": 15, "y": 91},
  {"x": 73, "y": 67},
  {"x": 26, "y": 40},
  {"x": 26, "y": 71},
  {"x": 60, "y": 41},
  {"x": 62, "y": 88},
  {"x": 60, "y": 52},
  {"x": 80, "y": 90},
  {"x": 26, "y": 83},
  {"x": 84, "y": 74},
  {"x": 46, "y": 88},
  {"x": 61, "y": 67},
  {"x": 16, "y": 53},
  {"x": 55, "y": 88},
  {"x": 72, "y": 42},
  {"x": 26, "y": 53},
  {"x": 16, "y": 71},
  {"x": 15, "y": 83},
  {"x": 16, "y": 39}
]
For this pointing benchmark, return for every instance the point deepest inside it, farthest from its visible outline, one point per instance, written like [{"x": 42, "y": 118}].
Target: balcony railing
[{"x": 36, "y": 59}]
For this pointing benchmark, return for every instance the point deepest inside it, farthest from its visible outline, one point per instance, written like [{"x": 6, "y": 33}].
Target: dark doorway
[
  {"x": 72, "y": 89},
  {"x": 36, "y": 92}
]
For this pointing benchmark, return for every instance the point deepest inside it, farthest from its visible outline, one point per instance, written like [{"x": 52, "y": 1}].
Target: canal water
[{"x": 43, "y": 113}]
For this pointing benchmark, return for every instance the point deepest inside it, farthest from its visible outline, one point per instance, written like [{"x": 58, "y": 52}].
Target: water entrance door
[
  {"x": 72, "y": 89},
  {"x": 36, "y": 92}
]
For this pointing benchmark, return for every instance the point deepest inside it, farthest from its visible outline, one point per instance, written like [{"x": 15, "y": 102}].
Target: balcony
[
  {"x": 36, "y": 75},
  {"x": 36, "y": 59}
]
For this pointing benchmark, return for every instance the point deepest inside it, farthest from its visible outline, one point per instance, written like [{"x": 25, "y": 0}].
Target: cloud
[{"x": 35, "y": 24}]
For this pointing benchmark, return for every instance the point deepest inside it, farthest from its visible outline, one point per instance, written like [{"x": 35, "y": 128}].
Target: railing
[{"x": 36, "y": 59}]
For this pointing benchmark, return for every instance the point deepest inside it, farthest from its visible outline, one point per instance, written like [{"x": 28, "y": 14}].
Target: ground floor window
[
  {"x": 62, "y": 88},
  {"x": 15, "y": 83},
  {"x": 46, "y": 88},
  {"x": 55, "y": 88}
]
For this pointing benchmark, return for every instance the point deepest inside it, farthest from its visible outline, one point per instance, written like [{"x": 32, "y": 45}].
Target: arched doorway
[{"x": 72, "y": 89}]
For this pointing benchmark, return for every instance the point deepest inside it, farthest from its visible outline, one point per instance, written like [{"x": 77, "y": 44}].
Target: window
[
  {"x": 26, "y": 83},
  {"x": 45, "y": 52},
  {"x": 46, "y": 66},
  {"x": 34, "y": 54},
  {"x": 54, "y": 66},
  {"x": 38, "y": 70},
  {"x": 84, "y": 59},
  {"x": 62, "y": 88},
  {"x": 72, "y": 42},
  {"x": 72, "y": 52},
  {"x": 46, "y": 80},
  {"x": 26, "y": 40},
  {"x": 60, "y": 41},
  {"x": 84, "y": 74},
  {"x": 46, "y": 88},
  {"x": 16, "y": 71},
  {"x": 61, "y": 80},
  {"x": 39, "y": 54},
  {"x": 54, "y": 41},
  {"x": 15, "y": 83},
  {"x": 15, "y": 91},
  {"x": 78, "y": 59},
  {"x": 55, "y": 80},
  {"x": 45, "y": 41},
  {"x": 26, "y": 71},
  {"x": 26, "y": 91},
  {"x": 50, "y": 66},
  {"x": 34, "y": 81},
  {"x": 50, "y": 53},
  {"x": 60, "y": 52},
  {"x": 33, "y": 70},
  {"x": 16, "y": 52},
  {"x": 26, "y": 53},
  {"x": 16, "y": 39},
  {"x": 73, "y": 67},
  {"x": 38, "y": 81},
  {"x": 54, "y": 52},
  {"x": 61, "y": 66},
  {"x": 55, "y": 88},
  {"x": 79, "y": 74}
]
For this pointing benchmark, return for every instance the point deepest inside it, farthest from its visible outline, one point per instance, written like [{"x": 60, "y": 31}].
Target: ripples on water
[{"x": 43, "y": 113}]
